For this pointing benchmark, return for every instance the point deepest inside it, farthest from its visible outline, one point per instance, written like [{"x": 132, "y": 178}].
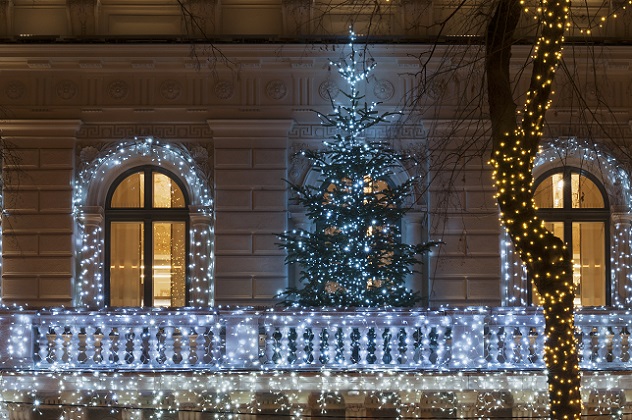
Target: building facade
[{"x": 162, "y": 134}]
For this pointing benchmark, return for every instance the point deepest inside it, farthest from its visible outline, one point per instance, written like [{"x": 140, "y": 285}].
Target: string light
[
  {"x": 598, "y": 17},
  {"x": 90, "y": 222},
  {"x": 590, "y": 157},
  {"x": 355, "y": 255},
  {"x": 546, "y": 257}
]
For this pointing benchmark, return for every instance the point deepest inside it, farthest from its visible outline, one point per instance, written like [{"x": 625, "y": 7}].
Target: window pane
[
  {"x": 585, "y": 193},
  {"x": 130, "y": 192},
  {"x": 126, "y": 264},
  {"x": 167, "y": 194},
  {"x": 550, "y": 192},
  {"x": 589, "y": 270},
  {"x": 558, "y": 230},
  {"x": 169, "y": 263}
]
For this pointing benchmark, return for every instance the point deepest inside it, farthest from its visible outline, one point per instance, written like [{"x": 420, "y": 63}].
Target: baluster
[
  {"x": 447, "y": 351},
  {"x": 51, "y": 353},
  {"x": 594, "y": 345},
  {"x": 625, "y": 345},
  {"x": 418, "y": 338},
  {"x": 402, "y": 347},
  {"x": 433, "y": 346},
  {"x": 168, "y": 344},
  {"x": 339, "y": 351},
  {"x": 269, "y": 345},
  {"x": 177, "y": 357},
  {"x": 608, "y": 355},
  {"x": 363, "y": 341},
  {"x": 517, "y": 346},
  {"x": 347, "y": 331},
  {"x": 324, "y": 346},
  {"x": 114, "y": 337},
  {"x": 533, "y": 346},
  {"x": 584, "y": 344},
  {"x": 371, "y": 346},
  {"x": 66, "y": 345},
  {"x": 129, "y": 347},
  {"x": 276, "y": 346},
  {"x": 82, "y": 356},
  {"x": 209, "y": 346},
  {"x": 292, "y": 346},
  {"x": 97, "y": 336},
  {"x": 410, "y": 345},
  {"x": 579, "y": 339},
  {"x": 501, "y": 336},
  {"x": 616, "y": 344},
  {"x": 308, "y": 346},
  {"x": 425, "y": 345},
  {"x": 145, "y": 353},
  {"x": 354, "y": 348},
  {"x": 161, "y": 337},
  {"x": 441, "y": 345},
  {"x": 193, "y": 347},
  {"x": 387, "y": 356},
  {"x": 284, "y": 350},
  {"x": 37, "y": 348},
  {"x": 487, "y": 343},
  {"x": 299, "y": 340}
]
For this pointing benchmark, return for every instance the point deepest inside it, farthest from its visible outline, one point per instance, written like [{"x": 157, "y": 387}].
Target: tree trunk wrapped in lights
[
  {"x": 355, "y": 256},
  {"x": 548, "y": 260}
]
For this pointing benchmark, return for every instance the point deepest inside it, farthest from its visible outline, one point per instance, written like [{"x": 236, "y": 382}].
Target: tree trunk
[{"x": 515, "y": 145}]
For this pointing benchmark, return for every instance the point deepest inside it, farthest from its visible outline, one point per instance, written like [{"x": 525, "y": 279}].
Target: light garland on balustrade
[
  {"x": 227, "y": 394},
  {"x": 91, "y": 245},
  {"x": 71, "y": 388}
]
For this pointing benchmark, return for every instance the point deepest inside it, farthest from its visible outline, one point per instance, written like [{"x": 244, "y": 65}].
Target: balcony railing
[{"x": 446, "y": 340}]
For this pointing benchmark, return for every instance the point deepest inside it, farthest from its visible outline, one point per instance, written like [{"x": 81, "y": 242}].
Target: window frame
[
  {"x": 147, "y": 215},
  {"x": 569, "y": 214}
]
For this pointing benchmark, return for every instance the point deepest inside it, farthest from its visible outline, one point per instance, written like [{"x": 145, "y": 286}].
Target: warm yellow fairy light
[{"x": 549, "y": 265}]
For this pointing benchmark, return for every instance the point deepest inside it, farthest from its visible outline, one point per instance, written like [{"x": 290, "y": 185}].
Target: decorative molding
[
  {"x": 170, "y": 89},
  {"x": 5, "y": 17},
  {"x": 38, "y": 64},
  {"x": 15, "y": 90},
  {"x": 66, "y": 89},
  {"x": 298, "y": 165},
  {"x": 276, "y": 89},
  {"x": 200, "y": 17},
  {"x": 328, "y": 90},
  {"x": 383, "y": 90},
  {"x": 385, "y": 132},
  {"x": 160, "y": 131},
  {"x": 296, "y": 17},
  {"x": 118, "y": 89},
  {"x": 224, "y": 89},
  {"x": 83, "y": 16}
]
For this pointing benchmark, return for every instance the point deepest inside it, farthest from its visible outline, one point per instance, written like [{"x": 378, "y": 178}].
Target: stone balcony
[
  {"x": 194, "y": 363},
  {"x": 472, "y": 339}
]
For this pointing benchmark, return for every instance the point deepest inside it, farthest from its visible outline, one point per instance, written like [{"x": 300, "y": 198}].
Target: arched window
[
  {"x": 574, "y": 206},
  {"x": 146, "y": 239}
]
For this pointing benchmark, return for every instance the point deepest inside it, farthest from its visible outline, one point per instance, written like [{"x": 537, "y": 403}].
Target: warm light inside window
[{"x": 147, "y": 234}]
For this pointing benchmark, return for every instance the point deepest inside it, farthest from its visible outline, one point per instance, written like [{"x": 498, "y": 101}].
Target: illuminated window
[
  {"x": 573, "y": 205},
  {"x": 146, "y": 240}
]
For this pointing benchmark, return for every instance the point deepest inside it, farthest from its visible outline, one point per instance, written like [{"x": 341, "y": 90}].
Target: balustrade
[{"x": 145, "y": 339}]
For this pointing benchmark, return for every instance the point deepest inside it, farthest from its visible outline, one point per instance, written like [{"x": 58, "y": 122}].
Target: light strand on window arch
[
  {"x": 90, "y": 245},
  {"x": 591, "y": 155}
]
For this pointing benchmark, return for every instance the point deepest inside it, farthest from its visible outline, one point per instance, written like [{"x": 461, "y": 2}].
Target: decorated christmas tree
[{"x": 355, "y": 255}]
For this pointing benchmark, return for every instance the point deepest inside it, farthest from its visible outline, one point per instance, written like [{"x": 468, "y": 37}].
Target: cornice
[{"x": 49, "y": 128}]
